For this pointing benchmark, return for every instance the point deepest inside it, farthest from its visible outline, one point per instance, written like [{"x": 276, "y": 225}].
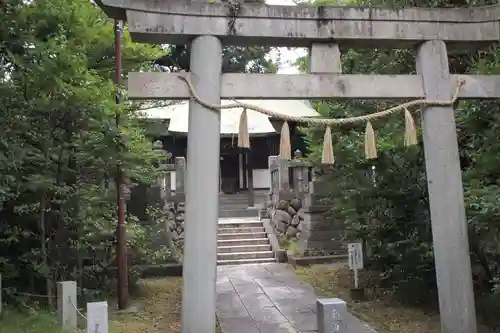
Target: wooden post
[
  {"x": 180, "y": 174},
  {"x": 251, "y": 198},
  {"x": 446, "y": 201},
  {"x": 66, "y": 305},
  {"x": 97, "y": 317},
  {"x": 242, "y": 159}
]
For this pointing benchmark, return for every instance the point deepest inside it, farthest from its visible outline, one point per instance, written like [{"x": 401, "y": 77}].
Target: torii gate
[{"x": 323, "y": 29}]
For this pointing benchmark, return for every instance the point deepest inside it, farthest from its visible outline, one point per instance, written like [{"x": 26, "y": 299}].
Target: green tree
[
  {"x": 235, "y": 59},
  {"x": 391, "y": 215},
  {"x": 59, "y": 144}
]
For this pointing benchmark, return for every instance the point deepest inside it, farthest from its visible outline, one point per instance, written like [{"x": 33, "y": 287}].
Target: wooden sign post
[{"x": 355, "y": 252}]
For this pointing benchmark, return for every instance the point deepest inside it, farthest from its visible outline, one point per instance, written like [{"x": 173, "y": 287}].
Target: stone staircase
[
  {"x": 242, "y": 241},
  {"x": 235, "y": 205}
]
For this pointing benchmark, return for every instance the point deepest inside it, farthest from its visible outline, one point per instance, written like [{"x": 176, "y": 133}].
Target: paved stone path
[{"x": 268, "y": 298}]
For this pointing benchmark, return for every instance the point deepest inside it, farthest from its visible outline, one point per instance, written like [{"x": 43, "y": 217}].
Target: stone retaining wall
[
  {"x": 176, "y": 211},
  {"x": 287, "y": 217},
  {"x": 307, "y": 221}
]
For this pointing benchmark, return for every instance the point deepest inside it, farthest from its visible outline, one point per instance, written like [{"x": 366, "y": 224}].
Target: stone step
[
  {"x": 242, "y": 200},
  {"x": 234, "y": 197},
  {"x": 233, "y": 207},
  {"x": 245, "y": 261},
  {"x": 233, "y": 203},
  {"x": 241, "y": 230},
  {"x": 236, "y": 242},
  {"x": 238, "y": 219},
  {"x": 238, "y": 213},
  {"x": 244, "y": 235},
  {"x": 229, "y": 204},
  {"x": 245, "y": 255},
  {"x": 243, "y": 248},
  {"x": 239, "y": 224}
]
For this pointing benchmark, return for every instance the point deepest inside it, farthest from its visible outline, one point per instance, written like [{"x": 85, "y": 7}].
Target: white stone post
[
  {"x": 202, "y": 190},
  {"x": 446, "y": 201},
  {"x": 331, "y": 315},
  {"x": 97, "y": 317},
  {"x": 66, "y": 304}
]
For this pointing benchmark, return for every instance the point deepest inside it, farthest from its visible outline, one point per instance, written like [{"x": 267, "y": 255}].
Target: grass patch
[
  {"x": 159, "y": 308},
  {"x": 158, "y": 304},
  {"x": 29, "y": 321},
  {"x": 379, "y": 310},
  {"x": 288, "y": 244}
]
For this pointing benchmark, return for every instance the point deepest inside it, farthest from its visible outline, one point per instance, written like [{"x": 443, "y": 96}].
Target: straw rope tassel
[
  {"x": 410, "y": 131},
  {"x": 328, "y": 157},
  {"x": 285, "y": 145},
  {"x": 243, "y": 136},
  {"x": 370, "y": 145}
]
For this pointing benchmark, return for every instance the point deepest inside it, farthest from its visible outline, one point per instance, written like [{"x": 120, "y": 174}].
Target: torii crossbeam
[{"x": 325, "y": 30}]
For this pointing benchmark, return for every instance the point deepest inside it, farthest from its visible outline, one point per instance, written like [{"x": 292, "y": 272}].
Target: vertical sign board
[{"x": 355, "y": 251}]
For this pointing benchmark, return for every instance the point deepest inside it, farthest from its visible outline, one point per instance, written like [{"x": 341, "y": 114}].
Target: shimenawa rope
[{"x": 328, "y": 158}]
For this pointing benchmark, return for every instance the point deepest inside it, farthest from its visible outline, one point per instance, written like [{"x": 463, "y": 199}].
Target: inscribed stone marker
[
  {"x": 331, "y": 315},
  {"x": 66, "y": 304},
  {"x": 97, "y": 317}
]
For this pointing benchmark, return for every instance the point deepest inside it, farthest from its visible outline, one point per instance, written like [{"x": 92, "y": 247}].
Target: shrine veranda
[{"x": 326, "y": 31}]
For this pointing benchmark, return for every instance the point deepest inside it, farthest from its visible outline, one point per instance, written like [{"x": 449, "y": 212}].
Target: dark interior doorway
[{"x": 229, "y": 171}]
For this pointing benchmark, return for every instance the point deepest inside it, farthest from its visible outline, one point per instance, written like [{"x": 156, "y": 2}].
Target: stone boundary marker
[
  {"x": 68, "y": 312},
  {"x": 331, "y": 314}
]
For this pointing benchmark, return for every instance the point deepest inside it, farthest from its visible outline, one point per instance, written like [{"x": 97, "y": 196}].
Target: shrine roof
[{"x": 257, "y": 123}]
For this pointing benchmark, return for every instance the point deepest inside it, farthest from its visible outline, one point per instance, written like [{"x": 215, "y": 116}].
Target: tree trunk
[{"x": 43, "y": 246}]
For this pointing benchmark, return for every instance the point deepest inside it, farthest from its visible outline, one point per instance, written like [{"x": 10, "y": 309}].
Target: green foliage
[
  {"x": 29, "y": 320},
  {"x": 388, "y": 208},
  {"x": 235, "y": 59},
  {"x": 61, "y": 147}
]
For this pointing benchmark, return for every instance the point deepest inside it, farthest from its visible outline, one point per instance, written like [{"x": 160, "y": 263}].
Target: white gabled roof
[{"x": 257, "y": 122}]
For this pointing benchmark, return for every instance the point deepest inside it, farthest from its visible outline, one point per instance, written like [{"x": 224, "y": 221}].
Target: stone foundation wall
[
  {"x": 287, "y": 217},
  {"x": 321, "y": 234},
  {"x": 176, "y": 211},
  {"x": 307, "y": 221}
]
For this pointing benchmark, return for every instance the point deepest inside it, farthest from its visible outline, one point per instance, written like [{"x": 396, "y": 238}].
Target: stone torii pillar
[
  {"x": 446, "y": 196},
  {"x": 202, "y": 190}
]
